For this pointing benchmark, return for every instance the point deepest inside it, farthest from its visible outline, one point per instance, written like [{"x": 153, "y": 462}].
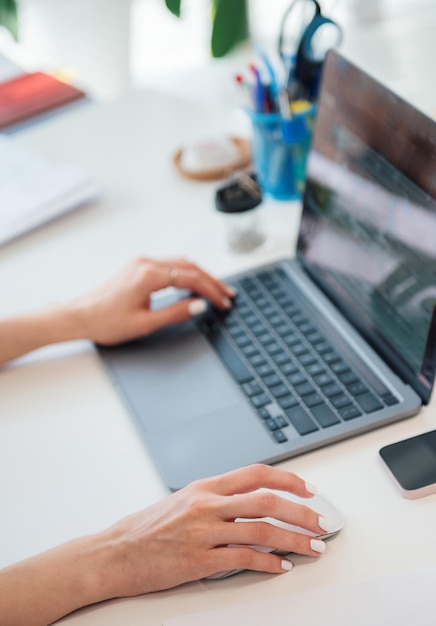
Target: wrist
[
  {"x": 96, "y": 569},
  {"x": 59, "y": 323}
]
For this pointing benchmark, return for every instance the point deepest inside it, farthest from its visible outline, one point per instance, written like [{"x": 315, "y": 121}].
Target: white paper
[
  {"x": 402, "y": 599},
  {"x": 34, "y": 190}
]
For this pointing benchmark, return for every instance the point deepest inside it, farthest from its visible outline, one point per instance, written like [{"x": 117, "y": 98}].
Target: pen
[
  {"x": 259, "y": 90},
  {"x": 284, "y": 104},
  {"x": 246, "y": 88},
  {"x": 272, "y": 75}
]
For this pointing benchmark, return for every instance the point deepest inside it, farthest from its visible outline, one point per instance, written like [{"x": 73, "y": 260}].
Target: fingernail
[
  {"x": 287, "y": 565},
  {"x": 232, "y": 291},
  {"x": 327, "y": 524},
  {"x": 310, "y": 488},
  {"x": 227, "y": 303},
  {"x": 195, "y": 307},
  {"x": 317, "y": 545}
]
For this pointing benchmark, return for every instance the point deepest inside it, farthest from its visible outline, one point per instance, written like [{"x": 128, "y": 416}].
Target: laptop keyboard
[{"x": 284, "y": 364}]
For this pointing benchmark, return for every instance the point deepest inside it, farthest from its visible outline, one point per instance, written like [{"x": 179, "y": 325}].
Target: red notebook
[{"x": 31, "y": 94}]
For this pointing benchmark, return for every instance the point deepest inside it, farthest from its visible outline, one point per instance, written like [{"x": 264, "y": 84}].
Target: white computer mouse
[{"x": 317, "y": 502}]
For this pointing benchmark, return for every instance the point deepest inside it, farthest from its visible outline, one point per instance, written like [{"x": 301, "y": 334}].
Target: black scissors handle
[
  {"x": 308, "y": 66},
  {"x": 304, "y": 74}
]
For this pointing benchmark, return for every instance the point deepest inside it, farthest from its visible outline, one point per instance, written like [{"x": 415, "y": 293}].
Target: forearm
[
  {"x": 25, "y": 333},
  {"x": 44, "y": 588}
]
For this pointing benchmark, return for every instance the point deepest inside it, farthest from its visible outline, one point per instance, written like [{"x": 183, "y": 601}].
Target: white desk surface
[{"x": 71, "y": 461}]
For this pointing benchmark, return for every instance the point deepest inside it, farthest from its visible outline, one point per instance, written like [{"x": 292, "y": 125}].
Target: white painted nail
[
  {"x": 310, "y": 488},
  {"x": 327, "y": 524},
  {"x": 227, "y": 303},
  {"x": 232, "y": 290},
  {"x": 287, "y": 565},
  {"x": 317, "y": 545},
  {"x": 195, "y": 307}
]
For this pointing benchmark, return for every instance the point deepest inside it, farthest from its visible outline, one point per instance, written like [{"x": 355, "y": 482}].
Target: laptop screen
[{"x": 368, "y": 231}]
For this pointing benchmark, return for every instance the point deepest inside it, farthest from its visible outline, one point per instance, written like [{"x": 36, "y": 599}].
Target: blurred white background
[{"x": 112, "y": 46}]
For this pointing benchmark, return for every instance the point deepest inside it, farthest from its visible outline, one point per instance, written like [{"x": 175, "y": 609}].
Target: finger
[
  {"x": 228, "y": 290},
  {"x": 174, "y": 313},
  {"x": 253, "y": 477},
  {"x": 235, "y": 558},
  {"x": 267, "y": 504},
  {"x": 200, "y": 283},
  {"x": 267, "y": 535}
]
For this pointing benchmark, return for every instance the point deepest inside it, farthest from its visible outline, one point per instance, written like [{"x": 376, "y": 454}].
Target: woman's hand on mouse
[
  {"x": 193, "y": 534},
  {"x": 119, "y": 310},
  {"x": 187, "y": 536}
]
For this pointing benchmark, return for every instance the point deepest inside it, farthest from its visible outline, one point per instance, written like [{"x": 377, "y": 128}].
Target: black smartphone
[{"x": 412, "y": 464}]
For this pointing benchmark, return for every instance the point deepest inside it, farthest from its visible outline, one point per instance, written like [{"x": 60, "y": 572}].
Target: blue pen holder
[{"x": 279, "y": 149}]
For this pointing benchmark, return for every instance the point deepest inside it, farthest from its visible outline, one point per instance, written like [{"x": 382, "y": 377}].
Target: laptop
[{"x": 329, "y": 344}]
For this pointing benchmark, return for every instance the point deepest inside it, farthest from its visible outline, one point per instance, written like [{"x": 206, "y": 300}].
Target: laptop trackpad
[{"x": 171, "y": 377}]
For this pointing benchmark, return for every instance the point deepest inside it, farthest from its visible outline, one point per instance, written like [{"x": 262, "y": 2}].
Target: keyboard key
[
  {"x": 266, "y": 338},
  {"x": 273, "y": 348},
  {"x": 264, "y": 413},
  {"x": 256, "y": 360},
  {"x": 301, "y": 420},
  {"x": 271, "y": 424},
  {"x": 299, "y": 349},
  {"x": 280, "y": 358},
  {"x": 390, "y": 399},
  {"x": 286, "y": 402},
  {"x": 279, "y": 436},
  {"x": 304, "y": 389},
  {"x": 339, "y": 367},
  {"x": 264, "y": 369},
  {"x": 322, "y": 347},
  {"x": 242, "y": 340},
  {"x": 258, "y": 329},
  {"x": 260, "y": 400},
  {"x": 291, "y": 339},
  {"x": 330, "y": 357},
  {"x": 315, "y": 369},
  {"x": 252, "y": 388},
  {"x": 347, "y": 377},
  {"x": 288, "y": 368},
  {"x": 250, "y": 350},
  {"x": 282, "y": 330},
  {"x": 323, "y": 379},
  {"x": 281, "y": 421},
  {"x": 357, "y": 388},
  {"x": 297, "y": 378},
  {"x": 279, "y": 390},
  {"x": 332, "y": 390},
  {"x": 236, "y": 331},
  {"x": 350, "y": 412},
  {"x": 340, "y": 401},
  {"x": 369, "y": 403},
  {"x": 314, "y": 337},
  {"x": 325, "y": 416},
  {"x": 312, "y": 399},
  {"x": 308, "y": 359},
  {"x": 271, "y": 380}
]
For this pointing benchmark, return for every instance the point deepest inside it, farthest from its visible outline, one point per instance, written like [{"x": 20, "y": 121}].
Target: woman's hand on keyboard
[{"x": 120, "y": 310}]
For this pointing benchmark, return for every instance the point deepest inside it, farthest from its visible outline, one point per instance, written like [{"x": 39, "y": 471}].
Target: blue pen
[
  {"x": 274, "y": 87},
  {"x": 259, "y": 90}
]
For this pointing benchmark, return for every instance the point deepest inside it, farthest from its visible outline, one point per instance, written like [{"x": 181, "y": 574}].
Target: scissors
[{"x": 314, "y": 35}]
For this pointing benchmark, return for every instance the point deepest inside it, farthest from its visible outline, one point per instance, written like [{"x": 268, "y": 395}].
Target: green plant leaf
[
  {"x": 230, "y": 25},
  {"x": 8, "y": 16},
  {"x": 174, "y": 6}
]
